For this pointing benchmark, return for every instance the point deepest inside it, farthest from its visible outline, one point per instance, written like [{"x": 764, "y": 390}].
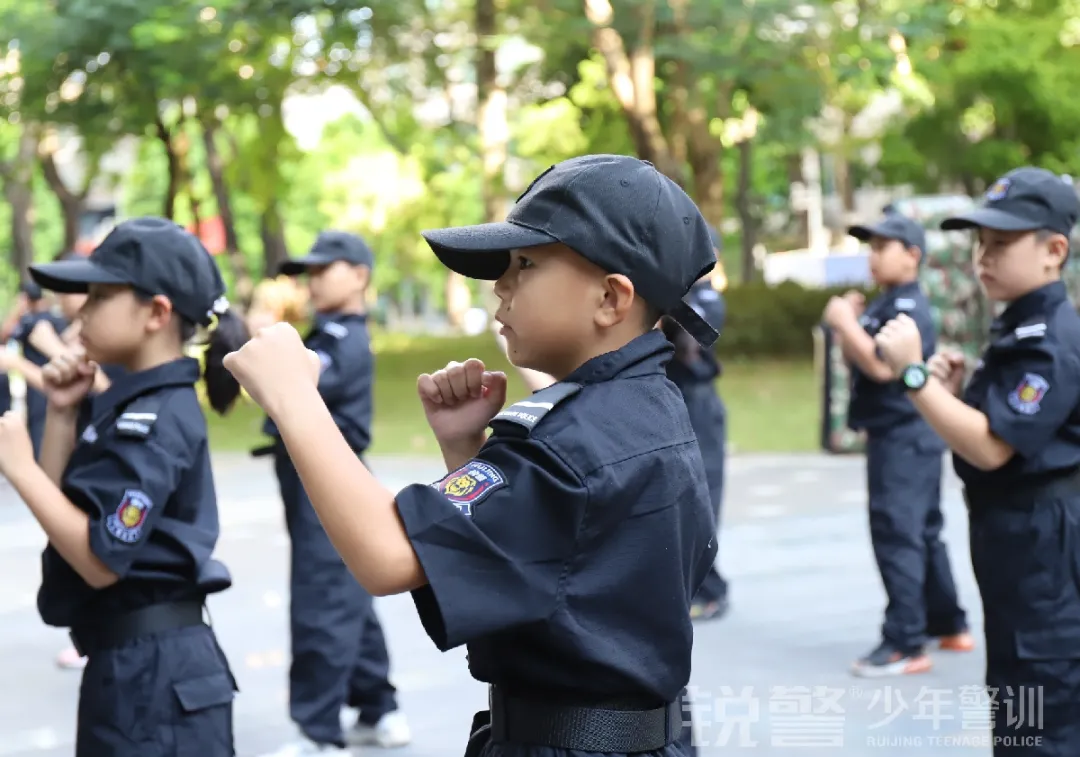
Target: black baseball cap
[
  {"x": 1024, "y": 199},
  {"x": 152, "y": 255},
  {"x": 617, "y": 212},
  {"x": 893, "y": 225},
  {"x": 330, "y": 247}
]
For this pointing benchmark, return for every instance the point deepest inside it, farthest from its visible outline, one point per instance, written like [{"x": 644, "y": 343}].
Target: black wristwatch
[{"x": 915, "y": 377}]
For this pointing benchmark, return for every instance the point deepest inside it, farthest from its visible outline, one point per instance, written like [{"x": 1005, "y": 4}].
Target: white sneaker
[
  {"x": 305, "y": 747},
  {"x": 391, "y": 731},
  {"x": 70, "y": 659}
]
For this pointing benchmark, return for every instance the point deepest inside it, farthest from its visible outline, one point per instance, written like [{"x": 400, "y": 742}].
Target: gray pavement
[{"x": 770, "y": 679}]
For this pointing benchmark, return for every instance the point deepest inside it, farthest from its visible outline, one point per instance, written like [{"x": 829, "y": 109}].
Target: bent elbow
[
  {"x": 397, "y": 577},
  {"x": 99, "y": 580},
  {"x": 995, "y": 456}
]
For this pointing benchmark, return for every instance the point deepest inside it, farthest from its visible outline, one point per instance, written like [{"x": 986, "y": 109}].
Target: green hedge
[{"x": 773, "y": 321}]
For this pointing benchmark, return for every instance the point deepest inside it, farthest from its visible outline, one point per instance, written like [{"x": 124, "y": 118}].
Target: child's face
[
  {"x": 115, "y": 323},
  {"x": 549, "y": 299},
  {"x": 1010, "y": 264},
  {"x": 891, "y": 262},
  {"x": 70, "y": 304},
  {"x": 336, "y": 286}
]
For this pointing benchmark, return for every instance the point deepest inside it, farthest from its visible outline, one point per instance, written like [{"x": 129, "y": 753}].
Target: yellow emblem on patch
[
  {"x": 998, "y": 190},
  {"x": 461, "y": 486},
  {"x": 470, "y": 484},
  {"x": 131, "y": 516}
]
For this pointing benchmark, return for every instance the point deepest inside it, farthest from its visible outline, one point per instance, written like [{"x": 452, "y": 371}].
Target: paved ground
[{"x": 771, "y": 679}]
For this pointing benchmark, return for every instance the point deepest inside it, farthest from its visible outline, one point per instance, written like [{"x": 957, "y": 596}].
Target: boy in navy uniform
[
  {"x": 1015, "y": 436},
  {"x": 695, "y": 370},
  {"x": 903, "y": 459},
  {"x": 565, "y": 548},
  {"x": 339, "y": 655}
]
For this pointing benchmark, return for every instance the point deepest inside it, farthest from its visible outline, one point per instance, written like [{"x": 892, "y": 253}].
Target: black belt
[
  {"x": 586, "y": 729},
  {"x": 1025, "y": 496},
  {"x": 147, "y": 621}
]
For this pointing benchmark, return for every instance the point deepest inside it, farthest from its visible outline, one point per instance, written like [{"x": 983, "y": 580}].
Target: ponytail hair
[{"x": 228, "y": 335}]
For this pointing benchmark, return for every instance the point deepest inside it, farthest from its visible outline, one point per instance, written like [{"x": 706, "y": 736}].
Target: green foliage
[{"x": 772, "y": 321}]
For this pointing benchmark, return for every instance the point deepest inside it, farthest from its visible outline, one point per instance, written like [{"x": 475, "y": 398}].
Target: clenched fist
[
  {"x": 272, "y": 364},
  {"x": 900, "y": 343},
  {"x": 68, "y": 378},
  {"x": 948, "y": 367},
  {"x": 461, "y": 399}
]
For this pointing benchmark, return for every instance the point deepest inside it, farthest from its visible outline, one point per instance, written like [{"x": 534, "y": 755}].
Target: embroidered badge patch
[
  {"x": 1025, "y": 398},
  {"x": 471, "y": 484},
  {"x": 126, "y": 524},
  {"x": 998, "y": 190}
]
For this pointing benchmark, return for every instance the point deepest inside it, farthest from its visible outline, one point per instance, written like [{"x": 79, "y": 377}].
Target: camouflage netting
[{"x": 961, "y": 313}]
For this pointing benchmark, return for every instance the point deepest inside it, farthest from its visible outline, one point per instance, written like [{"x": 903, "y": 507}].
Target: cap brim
[
  {"x": 483, "y": 251},
  {"x": 298, "y": 266},
  {"x": 71, "y": 276},
  {"x": 989, "y": 218},
  {"x": 865, "y": 233}
]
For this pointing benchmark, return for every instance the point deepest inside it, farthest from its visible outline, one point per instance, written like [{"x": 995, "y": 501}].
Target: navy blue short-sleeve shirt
[{"x": 566, "y": 554}]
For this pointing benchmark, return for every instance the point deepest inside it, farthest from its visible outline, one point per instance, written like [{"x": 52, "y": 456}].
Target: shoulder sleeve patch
[
  {"x": 336, "y": 330},
  {"x": 471, "y": 484},
  {"x": 527, "y": 414},
  {"x": 1027, "y": 396},
  {"x": 126, "y": 522}
]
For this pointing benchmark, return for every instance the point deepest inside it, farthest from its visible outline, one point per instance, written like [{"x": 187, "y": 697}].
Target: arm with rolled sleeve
[
  {"x": 1035, "y": 390},
  {"x": 124, "y": 492},
  {"x": 499, "y": 560}
]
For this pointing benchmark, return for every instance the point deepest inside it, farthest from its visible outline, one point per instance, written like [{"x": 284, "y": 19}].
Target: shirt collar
[
  {"x": 647, "y": 354},
  {"x": 180, "y": 372}
]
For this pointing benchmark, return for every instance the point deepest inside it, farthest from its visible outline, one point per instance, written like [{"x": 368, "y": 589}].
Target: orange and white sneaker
[
  {"x": 887, "y": 660},
  {"x": 957, "y": 642}
]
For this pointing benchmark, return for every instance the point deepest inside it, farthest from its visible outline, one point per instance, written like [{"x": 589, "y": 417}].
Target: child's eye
[{"x": 524, "y": 262}]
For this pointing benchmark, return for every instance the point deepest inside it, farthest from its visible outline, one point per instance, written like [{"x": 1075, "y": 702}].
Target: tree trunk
[
  {"x": 272, "y": 230},
  {"x": 494, "y": 130},
  {"x": 632, "y": 80},
  {"x": 703, "y": 150},
  {"x": 216, "y": 167},
  {"x": 72, "y": 203},
  {"x": 244, "y": 286},
  {"x": 18, "y": 175},
  {"x": 175, "y": 169},
  {"x": 744, "y": 205},
  {"x": 795, "y": 176}
]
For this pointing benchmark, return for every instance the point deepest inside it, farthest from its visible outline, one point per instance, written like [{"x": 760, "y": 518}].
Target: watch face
[{"x": 914, "y": 377}]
